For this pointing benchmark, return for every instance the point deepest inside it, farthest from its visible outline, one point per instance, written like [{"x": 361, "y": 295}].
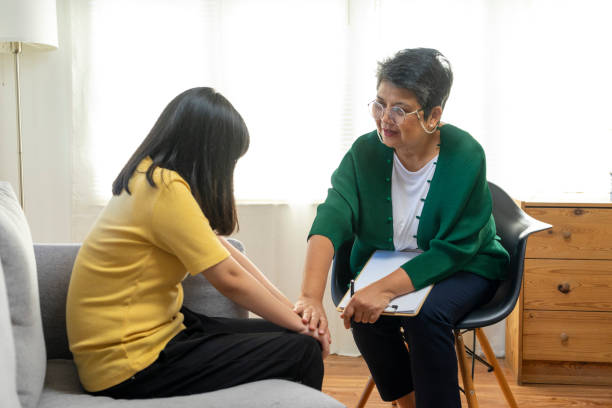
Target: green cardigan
[{"x": 456, "y": 227}]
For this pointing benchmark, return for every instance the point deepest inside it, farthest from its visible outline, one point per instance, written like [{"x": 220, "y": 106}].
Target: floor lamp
[{"x": 26, "y": 25}]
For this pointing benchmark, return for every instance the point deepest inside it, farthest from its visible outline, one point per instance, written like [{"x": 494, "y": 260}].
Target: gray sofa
[{"x": 36, "y": 367}]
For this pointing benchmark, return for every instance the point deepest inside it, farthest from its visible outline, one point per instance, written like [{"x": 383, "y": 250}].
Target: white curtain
[
  {"x": 532, "y": 84},
  {"x": 281, "y": 63}
]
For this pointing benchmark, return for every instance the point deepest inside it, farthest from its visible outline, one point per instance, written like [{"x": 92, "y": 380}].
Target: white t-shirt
[{"x": 408, "y": 192}]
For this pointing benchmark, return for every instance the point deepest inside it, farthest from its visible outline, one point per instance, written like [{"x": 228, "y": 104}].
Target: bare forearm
[
  {"x": 257, "y": 299},
  {"x": 236, "y": 283},
  {"x": 251, "y": 268},
  {"x": 319, "y": 255}
]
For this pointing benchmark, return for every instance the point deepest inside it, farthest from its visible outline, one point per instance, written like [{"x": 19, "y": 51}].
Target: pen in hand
[{"x": 394, "y": 307}]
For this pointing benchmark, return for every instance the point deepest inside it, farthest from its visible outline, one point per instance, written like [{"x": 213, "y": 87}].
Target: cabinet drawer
[
  {"x": 577, "y": 233},
  {"x": 567, "y": 336},
  {"x": 568, "y": 284}
]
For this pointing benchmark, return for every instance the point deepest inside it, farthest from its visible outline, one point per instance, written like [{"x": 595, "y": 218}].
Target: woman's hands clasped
[
  {"x": 312, "y": 313},
  {"x": 313, "y": 316}
]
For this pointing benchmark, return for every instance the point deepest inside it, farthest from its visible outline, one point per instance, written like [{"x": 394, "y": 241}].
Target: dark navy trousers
[{"x": 430, "y": 367}]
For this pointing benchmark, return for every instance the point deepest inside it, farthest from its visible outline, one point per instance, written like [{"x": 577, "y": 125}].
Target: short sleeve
[{"x": 181, "y": 228}]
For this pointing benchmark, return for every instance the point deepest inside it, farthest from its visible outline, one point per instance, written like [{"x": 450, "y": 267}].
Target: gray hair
[{"x": 424, "y": 71}]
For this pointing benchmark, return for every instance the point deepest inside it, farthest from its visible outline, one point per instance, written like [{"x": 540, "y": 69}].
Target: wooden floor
[{"x": 345, "y": 378}]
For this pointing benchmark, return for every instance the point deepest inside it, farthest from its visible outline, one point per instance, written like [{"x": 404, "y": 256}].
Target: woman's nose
[{"x": 386, "y": 116}]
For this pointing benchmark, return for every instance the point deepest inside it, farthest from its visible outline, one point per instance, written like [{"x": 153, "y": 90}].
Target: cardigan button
[
  {"x": 388, "y": 160},
  {"x": 388, "y": 198},
  {"x": 388, "y": 179},
  {"x": 390, "y": 239},
  {"x": 389, "y": 219}
]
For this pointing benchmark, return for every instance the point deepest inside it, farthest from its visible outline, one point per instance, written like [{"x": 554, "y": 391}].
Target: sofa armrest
[{"x": 54, "y": 266}]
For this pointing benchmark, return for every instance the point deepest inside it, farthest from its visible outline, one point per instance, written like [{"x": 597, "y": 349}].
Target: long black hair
[{"x": 200, "y": 136}]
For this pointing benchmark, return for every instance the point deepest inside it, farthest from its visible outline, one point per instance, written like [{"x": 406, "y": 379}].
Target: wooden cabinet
[{"x": 561, "y": 329}]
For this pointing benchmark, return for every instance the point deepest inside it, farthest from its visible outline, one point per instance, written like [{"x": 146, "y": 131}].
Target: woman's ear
[{"x": 434, "y": 118}]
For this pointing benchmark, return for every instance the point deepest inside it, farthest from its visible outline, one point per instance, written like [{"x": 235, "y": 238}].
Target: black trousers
[
  {"x": 215, "y": 353},
  {"x": 430, "y": 368}
]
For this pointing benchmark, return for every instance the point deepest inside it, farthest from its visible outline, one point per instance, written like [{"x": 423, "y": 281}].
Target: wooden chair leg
[
  {"x": 501, "y": 380},
  {"x": 366, "y": 393},
  {"x": 468, "y": 385}
]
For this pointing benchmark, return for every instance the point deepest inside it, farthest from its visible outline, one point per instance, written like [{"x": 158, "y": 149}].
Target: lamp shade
[{"x": 33, "y": 23}]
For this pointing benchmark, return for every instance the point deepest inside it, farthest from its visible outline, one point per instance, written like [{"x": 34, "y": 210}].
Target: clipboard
[{"x": 381, "y": 264}]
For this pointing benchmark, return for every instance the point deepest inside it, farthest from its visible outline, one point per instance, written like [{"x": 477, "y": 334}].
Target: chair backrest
[{"x": 513, "y": 227}]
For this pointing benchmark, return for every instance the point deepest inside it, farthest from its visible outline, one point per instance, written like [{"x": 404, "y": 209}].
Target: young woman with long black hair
[{"x": 129, "y": 333}]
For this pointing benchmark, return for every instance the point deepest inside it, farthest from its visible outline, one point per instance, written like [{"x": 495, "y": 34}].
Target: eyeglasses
[{"x": 396, "y": 114}]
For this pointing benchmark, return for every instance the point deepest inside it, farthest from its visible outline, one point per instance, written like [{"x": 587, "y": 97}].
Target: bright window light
[{"x": 532, "y": 87}]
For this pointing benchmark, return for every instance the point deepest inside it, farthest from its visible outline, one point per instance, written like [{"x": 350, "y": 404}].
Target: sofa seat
[{"x": 62, "y": 390}]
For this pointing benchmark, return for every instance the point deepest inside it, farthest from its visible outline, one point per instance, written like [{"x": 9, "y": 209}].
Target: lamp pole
[{"x": 16, "y": 50}]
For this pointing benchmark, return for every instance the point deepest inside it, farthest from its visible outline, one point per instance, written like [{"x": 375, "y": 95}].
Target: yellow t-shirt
[{"x": 125, "y": 292}]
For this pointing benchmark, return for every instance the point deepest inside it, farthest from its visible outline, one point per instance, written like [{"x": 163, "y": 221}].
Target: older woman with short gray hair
[{"x": 414, "y": 183}]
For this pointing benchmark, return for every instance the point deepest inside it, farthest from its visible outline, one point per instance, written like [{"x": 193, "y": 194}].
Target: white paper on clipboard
[{"x": 381, "y": 264}]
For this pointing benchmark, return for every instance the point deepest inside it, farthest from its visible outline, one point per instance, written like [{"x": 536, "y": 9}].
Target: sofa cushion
[
  {"x": 54, "y": 264},
  {"x": 62, "y": 390},
  {"x": 17, "y": 256},
  {"x": 202, "y": 297},
  {"x": 8, "y": 387}
]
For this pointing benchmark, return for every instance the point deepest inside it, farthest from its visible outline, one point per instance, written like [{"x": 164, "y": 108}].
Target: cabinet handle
[
  {"x": 564, "y": 337},
  {"x": 563, "y": 287},
  {"x": 578, "y": 211},
  {"x": 566, "y": 234}
]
